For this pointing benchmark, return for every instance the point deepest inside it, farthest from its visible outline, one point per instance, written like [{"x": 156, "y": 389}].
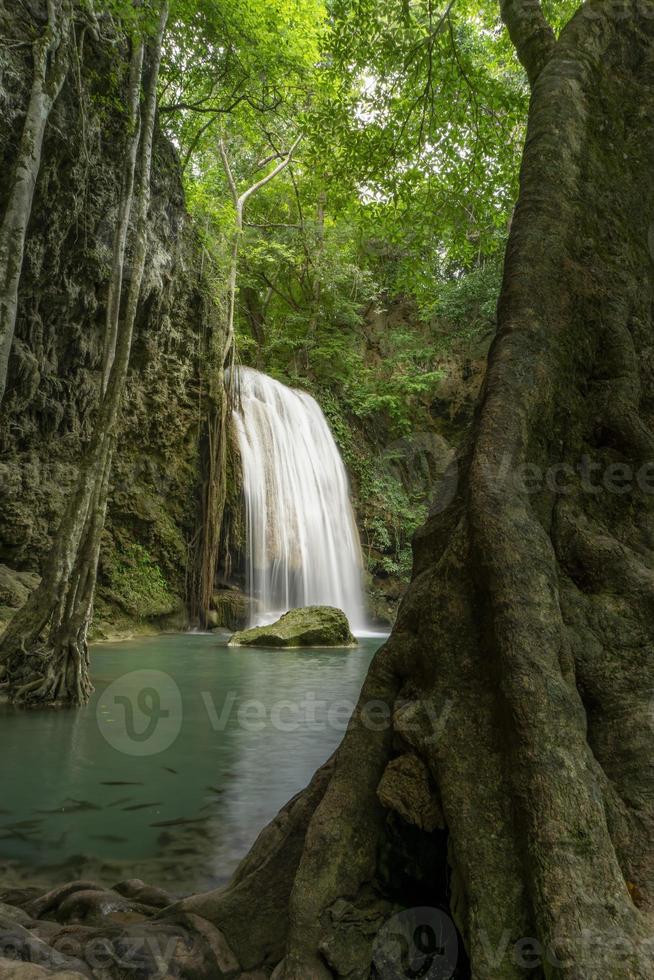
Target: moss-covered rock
[
  {"x": 229, "y": 608},
  {"x": 137, "y": 585},
  {"x": 311, "y": 626}
]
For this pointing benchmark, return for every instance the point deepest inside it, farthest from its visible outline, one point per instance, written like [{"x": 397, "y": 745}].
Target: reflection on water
[{"x": 248, "y": 730}]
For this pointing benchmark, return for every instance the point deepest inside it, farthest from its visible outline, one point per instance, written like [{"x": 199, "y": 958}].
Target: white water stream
[{"x": 302, "y": 542}]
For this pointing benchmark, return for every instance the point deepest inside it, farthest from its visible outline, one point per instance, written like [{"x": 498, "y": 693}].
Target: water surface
[{"x": 169, "y": 775}]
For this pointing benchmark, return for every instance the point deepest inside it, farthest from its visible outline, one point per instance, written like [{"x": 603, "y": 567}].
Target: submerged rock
[{"x": 310, "y": 626}]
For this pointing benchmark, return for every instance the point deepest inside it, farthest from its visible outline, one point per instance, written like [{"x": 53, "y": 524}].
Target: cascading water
[{"x": 302, "y": 542}]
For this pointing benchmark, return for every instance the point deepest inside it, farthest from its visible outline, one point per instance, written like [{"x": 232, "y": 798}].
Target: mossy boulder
[
  {"x": 229, "y": 608},
  {"x": 310, "y": 626}
]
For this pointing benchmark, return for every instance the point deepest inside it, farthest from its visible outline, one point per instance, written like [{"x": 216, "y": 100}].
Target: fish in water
[
  {"x": 141, "y": 806},
  {"x": 78, "y": 805},
  {"x": 43, "y": 843},
  {"x": 174, "y": 771},
  {"x": 215, "y": 789},
  {"x": 179, "y": 822},
  {"x": 110, "y": 839},
  {"x": 119, "y": 782},
  {"x": 22, "y": 835},
  {"x": 20, "y": 824},
  {"x": 121, "y": 801}
]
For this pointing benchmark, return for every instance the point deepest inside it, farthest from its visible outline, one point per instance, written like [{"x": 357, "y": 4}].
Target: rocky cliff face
[{"x": 47, "y": 417}]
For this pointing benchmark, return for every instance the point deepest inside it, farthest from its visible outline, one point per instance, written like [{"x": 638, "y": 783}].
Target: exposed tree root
[{"x": 63, "y": 677}]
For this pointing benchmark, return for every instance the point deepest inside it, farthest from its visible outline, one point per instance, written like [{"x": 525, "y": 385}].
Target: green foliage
[
  {"x": 376, "y": 256},
  {"x": 390, "y": 509},
  {"x": 136, "y": 584},
  {"x": 466, "y": 304}
]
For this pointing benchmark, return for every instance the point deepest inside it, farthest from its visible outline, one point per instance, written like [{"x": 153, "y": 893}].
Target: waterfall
[{"x": 302, "y": 542}]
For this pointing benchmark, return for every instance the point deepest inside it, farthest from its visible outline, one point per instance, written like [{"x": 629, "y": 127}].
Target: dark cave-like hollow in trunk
[{"x": 519, "y": 675}]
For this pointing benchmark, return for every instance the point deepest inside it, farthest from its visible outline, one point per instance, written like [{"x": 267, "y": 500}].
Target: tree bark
[
  {"x": 240, "y": 200},
  {"x": 255, "y": 313},
  {"x": 50, "y": 58},
  {"x": 124, "y": 211},
  {"x": 519, "y": 676},
  {"x": 532, "y": 36},
  {"x": 44, "y": 652}
]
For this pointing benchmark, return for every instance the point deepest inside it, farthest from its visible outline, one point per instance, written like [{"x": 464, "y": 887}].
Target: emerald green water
[{"x": 187, "y": 749}]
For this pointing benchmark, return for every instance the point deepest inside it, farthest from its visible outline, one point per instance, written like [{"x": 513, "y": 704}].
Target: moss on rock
[
  {"x": 137, "y": 585},
  {"x": 310, "y": 626},
  {"x": 229, "y": 608}
]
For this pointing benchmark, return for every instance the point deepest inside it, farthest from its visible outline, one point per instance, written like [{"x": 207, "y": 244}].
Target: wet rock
[
  {"x": 229, "y": 608},
  {"x": 310, "y": 626},
  {"x": 14, "y": 914}
]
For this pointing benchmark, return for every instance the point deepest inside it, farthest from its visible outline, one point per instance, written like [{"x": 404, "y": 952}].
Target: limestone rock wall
[{"x": 54, "y": 371}]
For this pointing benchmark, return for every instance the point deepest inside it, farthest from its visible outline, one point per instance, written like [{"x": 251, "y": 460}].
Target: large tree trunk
[
  {"x": 50, "y": 55},
  {"x": 520, "y": 674},
  {"x": 44, "y": 652}
]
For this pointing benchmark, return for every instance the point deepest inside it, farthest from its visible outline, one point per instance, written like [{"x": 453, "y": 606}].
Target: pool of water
[{"x": 186, "y": 750}]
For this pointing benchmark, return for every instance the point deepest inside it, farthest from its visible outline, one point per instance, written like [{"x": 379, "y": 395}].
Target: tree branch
[
  {"x": 531, "y": 34},
  {"x": 269, "y": 176},
  {"x": 228, "y": 171}
]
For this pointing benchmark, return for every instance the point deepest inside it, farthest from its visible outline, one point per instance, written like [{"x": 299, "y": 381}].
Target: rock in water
[
  {"x": 310, "y": 626},
  {"x": 229, "y": 608}
]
